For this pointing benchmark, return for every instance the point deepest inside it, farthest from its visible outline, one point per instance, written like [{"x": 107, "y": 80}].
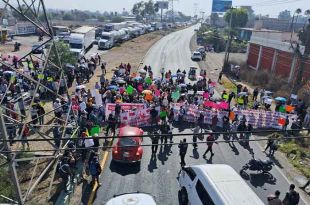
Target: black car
[{"x": 37, "y": 49}]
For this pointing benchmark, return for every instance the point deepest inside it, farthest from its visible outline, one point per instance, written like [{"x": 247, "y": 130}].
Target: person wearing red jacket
[{"x": 210, "y": 142}]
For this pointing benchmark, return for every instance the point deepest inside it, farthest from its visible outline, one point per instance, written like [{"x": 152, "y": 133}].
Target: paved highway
[
  {"x": 171, "y": 52},
  {"x": 157, "y": 176}
]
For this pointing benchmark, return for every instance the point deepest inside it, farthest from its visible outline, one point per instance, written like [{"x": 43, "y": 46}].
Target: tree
[
  {"x": 68, "y": 17},
  {"x": 65, "y": 55},
  {"x": 182, "y": 17},
  {"x": 285, "y": 15},
  {"x": 149, "y": 8},
  {"x": 304, "y": 37},
  {"x": 295, "y": 18},
  {"x": 138, "y": 8},
  {"x": 144, "y": 9},
  {"x": 239, "y": 17},
  {"x": 101, "y": 18},
  {"x": 117, "y": 19}
]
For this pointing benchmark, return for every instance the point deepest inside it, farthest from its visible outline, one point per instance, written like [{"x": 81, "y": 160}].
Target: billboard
[
  {"x": 162, "y": 4},
  {"x": 221, "y": 5}
]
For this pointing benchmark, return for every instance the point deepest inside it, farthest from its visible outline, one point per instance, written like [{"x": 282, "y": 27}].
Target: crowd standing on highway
[{"x": 125, "y": 86}]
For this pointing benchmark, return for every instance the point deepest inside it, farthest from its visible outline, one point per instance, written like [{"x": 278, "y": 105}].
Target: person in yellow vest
[
  {"x": 240, "y": 101},
  {"x": 224, "y": 95}
]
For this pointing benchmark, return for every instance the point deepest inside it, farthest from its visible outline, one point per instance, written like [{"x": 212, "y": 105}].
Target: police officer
[{"x": 183, "y": 150}]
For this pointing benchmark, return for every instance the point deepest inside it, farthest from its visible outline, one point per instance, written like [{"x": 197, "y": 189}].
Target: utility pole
[
  {"x": 172, "y": 9},
  {"x": 195, "y": 9},
  {"x": 228, "y": 43},
  {"x": 202, "y": 15},
  {"x": 10, "y": 158}
]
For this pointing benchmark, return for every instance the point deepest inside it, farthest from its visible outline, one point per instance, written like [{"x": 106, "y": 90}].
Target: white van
[{"x": 214, "y": 184}]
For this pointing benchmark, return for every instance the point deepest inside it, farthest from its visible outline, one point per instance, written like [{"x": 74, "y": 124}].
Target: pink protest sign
[
  {"x": 208, "y": 103},
  {"x": 110, "y": 107}
]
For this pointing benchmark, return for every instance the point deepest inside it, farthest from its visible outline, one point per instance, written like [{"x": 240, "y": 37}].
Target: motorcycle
[{"x": 258, "y": 165}]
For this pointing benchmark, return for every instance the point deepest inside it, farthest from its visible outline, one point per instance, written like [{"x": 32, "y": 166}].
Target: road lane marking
[{"x": 95, "y": 187}]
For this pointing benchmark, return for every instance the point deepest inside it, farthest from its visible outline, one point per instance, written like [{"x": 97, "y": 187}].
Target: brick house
[{"x": 272, "y": 51}]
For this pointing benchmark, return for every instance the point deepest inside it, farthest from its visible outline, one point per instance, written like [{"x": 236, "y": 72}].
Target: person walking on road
[
  {"x": 291, "y": 197},
  {"x": 95, "y": 169},
  {"x": 270, "y": 144},
  {"x": 66, "y": 174},
  {"x": 220, "y": 77},
  {"x": 183, "y": 150},
  {"x": 103, "y": 69},
  {"x": 154, "y": 114},
  {"x": 210, "y": 141},
  {"x": 274, "y": 199},
  {"x": 155, "y": 141},
  {"x": 111, "y": 124},
  {"x": 195, "y": 136},
  {"x": 164, "y": 129}
]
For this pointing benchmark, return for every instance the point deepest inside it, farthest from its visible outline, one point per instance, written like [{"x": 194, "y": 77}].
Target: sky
[{"x": 271, "y": 7}]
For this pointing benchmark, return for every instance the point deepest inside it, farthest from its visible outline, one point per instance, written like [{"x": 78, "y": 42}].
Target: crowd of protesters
[{"x": 125, "y": 86}]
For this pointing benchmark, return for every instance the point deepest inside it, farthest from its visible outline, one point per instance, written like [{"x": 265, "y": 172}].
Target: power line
[
  {"x": 149, "y": 145},
  {"x": 180, "y": 134}
]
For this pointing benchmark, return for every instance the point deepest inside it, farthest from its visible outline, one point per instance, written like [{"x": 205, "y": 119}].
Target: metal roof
[{"x": 83, "y": 29}]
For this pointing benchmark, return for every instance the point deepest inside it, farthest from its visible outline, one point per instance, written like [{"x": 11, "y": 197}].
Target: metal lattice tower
[
  {"x": 34, "y": 12},
  {"x": 171, "y": 7}
]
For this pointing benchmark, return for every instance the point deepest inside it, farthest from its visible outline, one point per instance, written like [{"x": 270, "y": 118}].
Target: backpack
[{"x": 293, "y": 198}]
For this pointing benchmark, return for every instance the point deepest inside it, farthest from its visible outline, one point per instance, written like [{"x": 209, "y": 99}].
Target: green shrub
[{"x": 6, "y": 185}]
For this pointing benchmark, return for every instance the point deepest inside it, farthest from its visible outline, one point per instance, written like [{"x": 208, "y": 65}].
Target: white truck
[
  {"x": 81, "y": 39},
  {"x": 106, "y": 40},
  {"x": 109, "y": 39}
]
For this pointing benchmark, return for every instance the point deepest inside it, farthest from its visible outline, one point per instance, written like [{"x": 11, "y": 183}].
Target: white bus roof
[
  {"x": 225, "y": 185},
  {"x": 83, "y": 29}
]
